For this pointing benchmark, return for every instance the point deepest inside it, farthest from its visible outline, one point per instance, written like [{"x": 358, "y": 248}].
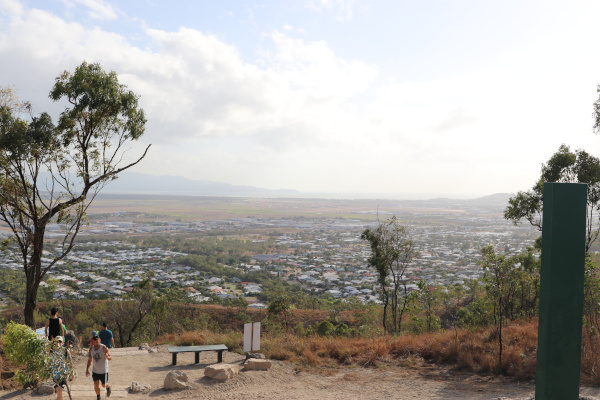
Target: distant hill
[
  {"x": 496, "y": 202},
  {"x": 131, "y": 183},
  {"x": 136, "y": 183}
]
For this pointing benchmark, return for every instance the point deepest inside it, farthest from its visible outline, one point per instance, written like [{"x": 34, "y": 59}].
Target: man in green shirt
[{"x": 106, "y": 337}]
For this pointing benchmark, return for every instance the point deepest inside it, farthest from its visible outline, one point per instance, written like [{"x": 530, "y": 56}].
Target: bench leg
[
  {"x": 220, "y": 356},
  {"x": 174, "y": 358},
  {"x": 197, "y": 357}
]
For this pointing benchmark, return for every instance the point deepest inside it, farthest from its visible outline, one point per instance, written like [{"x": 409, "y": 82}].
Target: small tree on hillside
[
  {"x": 52, "y": 173},
  {"x": 500, "y": 285},
  {"x": 391, "y": 253},
  {"x": 132, "y": 314},
  {"x": 280, "y": 306},
  {"x": 429, "y": 298}
]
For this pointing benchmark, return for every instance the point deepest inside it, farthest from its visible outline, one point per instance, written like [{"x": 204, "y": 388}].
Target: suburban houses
[{"x": 325, "y": 256}]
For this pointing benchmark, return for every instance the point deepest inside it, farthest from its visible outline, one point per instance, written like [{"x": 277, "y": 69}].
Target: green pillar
[{"x": 561, "y": 291}]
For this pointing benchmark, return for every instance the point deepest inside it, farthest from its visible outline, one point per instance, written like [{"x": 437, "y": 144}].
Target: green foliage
[
  {"x": 343, "y": 330},
  {"x": 591, "y": 294},
  {"x": 299, "y": 329},
  {"x": 132, "y": 316},
  {"x": 24, "y": 347},
  {"x": 563, "y": 166},
  {"x": 81, "y": 154},
  {"x": 391, "y": 253},
  {"x": 245, "y": 318},
  {"x": 280, "y": 306},
  {"x": 325, "y": 328},
  {"x": 268, "y": 325},
  {"x": 429, "y": 298}
]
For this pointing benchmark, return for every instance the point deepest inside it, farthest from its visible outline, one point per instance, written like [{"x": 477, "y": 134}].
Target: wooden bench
[{"x": 219, "y": 348}]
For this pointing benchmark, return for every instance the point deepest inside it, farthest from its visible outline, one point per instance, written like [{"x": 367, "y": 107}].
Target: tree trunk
[
  {"x": 385, "y": 307},
  {"x": 30, "y": 302},
  {"x": 33, "y": 274}
]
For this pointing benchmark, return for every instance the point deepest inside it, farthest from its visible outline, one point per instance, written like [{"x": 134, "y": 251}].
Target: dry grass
[{"x": 475, "y": 351}]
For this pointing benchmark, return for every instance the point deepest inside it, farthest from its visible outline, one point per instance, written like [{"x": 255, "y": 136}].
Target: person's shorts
[
  {"x": 99, "y": 377},
  {"x": 62, "y": 384}
]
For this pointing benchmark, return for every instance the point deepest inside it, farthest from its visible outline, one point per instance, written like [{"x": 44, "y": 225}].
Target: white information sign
[{"x": 251, "y": 337}]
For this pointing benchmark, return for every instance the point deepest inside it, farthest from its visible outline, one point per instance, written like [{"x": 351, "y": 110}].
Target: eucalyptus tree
[
  {"x": 563, "y": 166},
  {"x": 501, "y": 286},
  {"x": 392, "y": 251},
  {"x": 52, "y": 173}
]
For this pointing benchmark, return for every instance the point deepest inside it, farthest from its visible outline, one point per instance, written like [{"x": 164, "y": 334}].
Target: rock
[
  {"x": 176, "y": 380},
  {"x": 255, "y": 355},
  {"x": 257, "y": 364},
  {"x": 137, "y": 387},
  {"x": 221, "y": 372},
  {"x": 153, "y": 350},
  {"x": 46, "y": 388},
  {"x": 144, "y": 346}
]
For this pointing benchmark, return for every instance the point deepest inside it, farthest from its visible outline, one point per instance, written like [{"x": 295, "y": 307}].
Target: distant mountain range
[
  {"x": 131, "y": 183},
  {"x": 136, "y": 183}
]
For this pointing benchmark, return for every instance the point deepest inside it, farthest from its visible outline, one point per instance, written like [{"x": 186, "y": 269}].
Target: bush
[
  {"x": 24, "y": 347},
  {"x": 245, "y": 318},
  {"x": 325, "y": 328},
  {"x": 343, "y": 330}
]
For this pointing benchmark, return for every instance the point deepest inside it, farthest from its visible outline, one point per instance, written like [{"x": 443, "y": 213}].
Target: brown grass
[{"x": 475, "y": 351}]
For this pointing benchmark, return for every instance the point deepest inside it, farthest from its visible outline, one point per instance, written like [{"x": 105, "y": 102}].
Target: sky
[{"x": 409, "y": 99}]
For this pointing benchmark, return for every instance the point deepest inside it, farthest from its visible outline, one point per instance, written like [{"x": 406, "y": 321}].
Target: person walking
[
  {"x": 54, "y": 326},
  {"x": 99, "y": 356},
  {"x": 106, "y": 337},
  {"x": 61, "y": 366}
]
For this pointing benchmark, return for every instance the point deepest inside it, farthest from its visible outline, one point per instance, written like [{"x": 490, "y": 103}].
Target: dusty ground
[{"x": 286, "y": 381}]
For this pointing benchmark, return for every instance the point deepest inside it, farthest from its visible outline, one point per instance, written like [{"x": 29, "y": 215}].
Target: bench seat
[{"x": 219, "y": 348}]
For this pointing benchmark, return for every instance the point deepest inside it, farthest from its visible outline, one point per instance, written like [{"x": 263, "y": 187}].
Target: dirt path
[{"x": 285, "y": 381}]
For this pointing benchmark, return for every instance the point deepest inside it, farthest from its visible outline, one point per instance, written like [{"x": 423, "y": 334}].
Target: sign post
[
  {"x": 251, "y": 337},
  {"x": 561, "y": 291}
]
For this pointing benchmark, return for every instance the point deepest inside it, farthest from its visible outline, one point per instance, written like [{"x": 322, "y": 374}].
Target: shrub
[
  {"x": 24, "y": 347},
  {"x": 245, "y": 318},
  {"x": 325, "y": 328},
  {"x": 343, "y": 330}
]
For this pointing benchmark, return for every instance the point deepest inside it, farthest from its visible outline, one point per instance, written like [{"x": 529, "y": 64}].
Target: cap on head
[
  {"x": 95, "y": 335},
  {"x": 59, "y": 339}
]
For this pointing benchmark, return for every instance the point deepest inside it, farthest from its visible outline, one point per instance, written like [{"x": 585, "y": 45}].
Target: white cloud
[
  {"x": 11, "y": 7},
  {"x": 96, "y": 9},
  {"x": 342, "y": 8},
  {"x": 302, "y": 117}
]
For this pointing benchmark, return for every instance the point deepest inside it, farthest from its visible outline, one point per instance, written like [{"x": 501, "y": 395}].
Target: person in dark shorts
[
  {"x": 54, "y": 326},
  {"x": 99, "y": 355},
  {"x": 106, "y": 337}
]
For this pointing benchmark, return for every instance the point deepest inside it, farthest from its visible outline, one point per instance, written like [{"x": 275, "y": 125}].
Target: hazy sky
[{"x": 426, "y": 98}]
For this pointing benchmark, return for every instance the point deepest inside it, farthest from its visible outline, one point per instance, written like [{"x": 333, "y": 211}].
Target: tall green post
[{"x": 561, "y": 291}]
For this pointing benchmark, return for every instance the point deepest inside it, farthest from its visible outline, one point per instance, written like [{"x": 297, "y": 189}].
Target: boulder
[
  {"x": 257, "y": 364},
  {"x": 176, "y": 380},
  {"x": 46, "y": 388},
  {"x": 221, "y": 372},
  {"x": 137, "y": 387},
  {"x": 144, "y": 346},
  {"x": 153, "y": 350}
]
